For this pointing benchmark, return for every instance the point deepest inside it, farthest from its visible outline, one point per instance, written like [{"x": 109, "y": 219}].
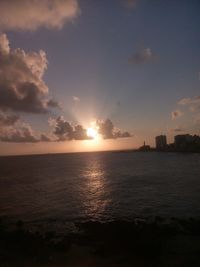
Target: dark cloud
[
  {"x": 144, "y": 55},
  {"x": 63, "y": 129},
  {"x": 30, "y": 15},
  {"x": 120, "y": 134},
  {"x": 53, "y": 103},
  {"x": 80, "y": 133},
  {"x": 21, "y": 85},
  {"x": 108, "y": 131}
]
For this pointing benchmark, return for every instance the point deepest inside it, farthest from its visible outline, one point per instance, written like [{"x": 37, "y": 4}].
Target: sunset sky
[{"x": 127, "y": 69}]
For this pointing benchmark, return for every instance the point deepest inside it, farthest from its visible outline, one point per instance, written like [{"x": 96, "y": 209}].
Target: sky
[{"x": 127, "y": 69}]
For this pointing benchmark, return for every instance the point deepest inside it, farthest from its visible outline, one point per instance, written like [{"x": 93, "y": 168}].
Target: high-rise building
[{"x": 161, "y": 142}]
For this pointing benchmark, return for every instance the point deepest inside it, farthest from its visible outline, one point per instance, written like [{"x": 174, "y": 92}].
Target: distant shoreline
[{"x": 106, "y": 151}]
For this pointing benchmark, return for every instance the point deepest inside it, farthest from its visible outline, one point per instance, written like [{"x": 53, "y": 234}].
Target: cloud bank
[
  {"x": 30, "y": 15},
  {"x": 64, "y": 130},
  {"x": 13, "y": 130},
  {"x": 21, "y": 80}
]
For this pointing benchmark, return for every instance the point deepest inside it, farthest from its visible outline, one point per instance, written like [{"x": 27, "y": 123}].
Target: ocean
[{"x": 101, "y": 186}]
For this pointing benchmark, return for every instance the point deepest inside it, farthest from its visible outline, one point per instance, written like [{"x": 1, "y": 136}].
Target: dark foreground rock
[{"x": 119, "y": 243}]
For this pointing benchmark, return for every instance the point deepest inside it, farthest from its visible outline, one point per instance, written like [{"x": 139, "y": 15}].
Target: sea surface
[{"x": 99, "y": 186}]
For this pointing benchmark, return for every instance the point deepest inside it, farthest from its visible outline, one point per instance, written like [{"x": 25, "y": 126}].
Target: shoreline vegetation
[{"x": 141, "y": 242}]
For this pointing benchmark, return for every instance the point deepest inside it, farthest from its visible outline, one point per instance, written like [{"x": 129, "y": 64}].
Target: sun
[{"x": 92, "y": 133}]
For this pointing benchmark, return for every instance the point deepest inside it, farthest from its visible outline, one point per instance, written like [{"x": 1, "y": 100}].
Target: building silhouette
[
  {"x": 145, "y": 147},
  {"x": 161, "y": 142},
  {"x": 187, "y": 142}
]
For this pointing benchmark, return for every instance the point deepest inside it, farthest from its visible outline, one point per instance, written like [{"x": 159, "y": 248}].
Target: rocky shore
[{"x": 159, "y": 242}]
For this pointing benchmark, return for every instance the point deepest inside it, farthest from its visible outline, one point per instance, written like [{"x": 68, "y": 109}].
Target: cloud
[
  {"x": 144, "y": 55},
  {"x": 13, "y": 130},
  {"x": 76, "y": 99},
  {"x": 176, "y": 114},
  {"x": 18, "y": 135},
  {"x": 4, "y": 44},
  {"x": 7, "y": 120},
  {"x": 192, "y": 103},
  {"x": 21, "y": 85},
  {"x": 30, "y": 15},
  {"x": 119, "y": 134},
  {"x": 64, "y": 130},
  {"x": 53, "y": 103},
  {"x": 108, "y": 131},
  {"x": 45, "y": 138},
  {"x": 184, "y": 101},
  {"x": 80, "y": 133},
  {"x": 189, "y": 101},
  {"x": 106, "y": 128}
]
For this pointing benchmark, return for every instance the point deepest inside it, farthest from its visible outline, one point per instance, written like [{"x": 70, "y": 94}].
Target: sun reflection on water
[{"x": 95, "y": 199}]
